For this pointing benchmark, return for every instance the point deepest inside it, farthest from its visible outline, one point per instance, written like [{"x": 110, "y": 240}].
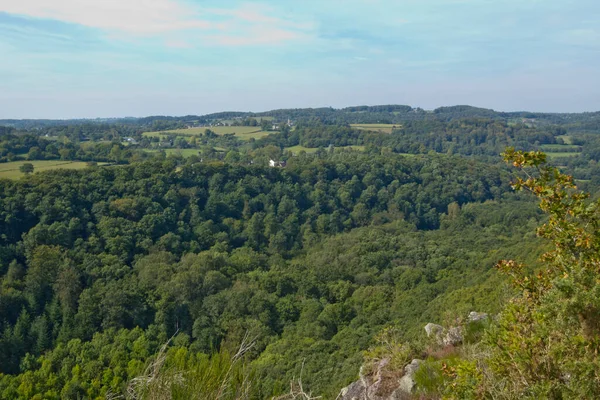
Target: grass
[
  {"x": 298, "y": 149},
  {"x": 384, "y": 128},
  {"x": 565, "y": 148},
  {"x": 242, "y": 132},
  {"x": 558, "y": 155},
  {"x": 566, "y": 138},
  {"x": 309, "y": 150},
  {"x": 11, "y": 170},
  {"x": 184, "y": 152}
]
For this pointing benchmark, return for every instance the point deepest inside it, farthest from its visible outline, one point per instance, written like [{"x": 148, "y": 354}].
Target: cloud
[
  {"x": 249, "y": 24},
  {"x": 257, "y": 36},
  {"x": 128, "y": 16}
]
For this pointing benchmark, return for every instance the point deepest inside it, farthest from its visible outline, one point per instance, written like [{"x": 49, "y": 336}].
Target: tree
[
  {"x": 547, "y": 340},
  {"x": 34, "y": 153},
  {"x": 265, "y": 125},
  {"x": 26, "y": 168}
]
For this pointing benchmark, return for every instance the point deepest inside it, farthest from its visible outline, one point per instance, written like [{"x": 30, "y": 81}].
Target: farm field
[
  {"x": 563, "y": 154},
  {"x": 242, "y": 132},
  {"x": 298, "y": 149},
  {"x": 384, "y": 128},
  {"x": 184, "y": 152},
  {"x": 566, "y": 148},
  {"x": 566, "y": 138},
  {"x": 11, "y": 170}
]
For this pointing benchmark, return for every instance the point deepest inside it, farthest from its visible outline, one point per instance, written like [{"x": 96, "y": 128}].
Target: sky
[{"x": 115, "y": 58}]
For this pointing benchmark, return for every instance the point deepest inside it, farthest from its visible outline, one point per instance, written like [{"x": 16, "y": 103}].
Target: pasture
[
  {"x": 382, "y": 128},
  {"x": 297, "y": 149},
  {"x": 563, "y": 154},
  {"x": 563, "y": 148},
  {"x": 10, "y": 170},
  {"x": 241, "y": 132},
  {"x": 566, "y": 138},
  {"x": 185, "y": 153}
]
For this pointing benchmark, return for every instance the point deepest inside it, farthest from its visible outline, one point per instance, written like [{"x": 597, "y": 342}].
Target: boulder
[
  {"x": 433, "y": 329},
  {"x": 477, "y": 316},
  {"x": 381, "y": 385},
  {"x": 407, "y": 382},
  {"x": 452, "y": 337},
  {"x": 356, "y": 391}
]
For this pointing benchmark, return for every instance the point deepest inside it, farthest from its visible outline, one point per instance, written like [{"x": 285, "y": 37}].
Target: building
[{"x": 279, "y": 164}]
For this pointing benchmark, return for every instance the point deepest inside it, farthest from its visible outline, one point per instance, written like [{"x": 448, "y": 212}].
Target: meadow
[
  {"x": 297, "y": 149},
  {"x": 565, "y": 148},
  {"x": 242, "y": 132},
  {"x": 183, "y": 152},
  {"x": 383, "y": 128},
  {"x": 562, "y": 154},
  {"x": 10, "y": 170}
]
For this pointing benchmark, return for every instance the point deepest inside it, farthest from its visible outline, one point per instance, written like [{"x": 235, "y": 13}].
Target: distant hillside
[{"x": 383, "y": 114}]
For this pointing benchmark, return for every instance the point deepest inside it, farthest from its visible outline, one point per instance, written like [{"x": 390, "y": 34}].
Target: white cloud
[
  {"x": 249, "y": 24},
  {"x": 128, "y": 16}
]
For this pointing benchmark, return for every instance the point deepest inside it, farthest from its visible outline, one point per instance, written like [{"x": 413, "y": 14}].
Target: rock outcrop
[
  {"x": 433, "y": 329},
  {"x": 384, "y": 384},
  {"x": 477, "y": 316},
  {"x": 444, "y": 337},
  {"x": 407, "y": 382}
]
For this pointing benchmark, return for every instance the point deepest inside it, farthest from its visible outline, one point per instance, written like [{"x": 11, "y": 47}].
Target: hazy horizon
[
  {"x": 116, "y": 58},
  {"x": 284, "y": 108}
]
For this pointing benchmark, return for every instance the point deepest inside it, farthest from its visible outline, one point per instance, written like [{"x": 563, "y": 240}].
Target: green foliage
[
  {"x": 546, "y": 341},
  {"x": 26, "y": 168}
]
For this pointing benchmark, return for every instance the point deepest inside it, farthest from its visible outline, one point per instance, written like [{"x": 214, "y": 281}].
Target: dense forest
[{"x": 178, "y": 259}]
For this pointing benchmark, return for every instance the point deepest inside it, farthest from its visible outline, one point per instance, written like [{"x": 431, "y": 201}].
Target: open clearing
[
  {"x": 566, "y": 138},
  {"x": 242, "y": 132},
  {"x": 564, "y": 148},
  {"x": 309, "y": 150},
  {"x": 558, "y": 155},
  {"x": 10, "y": 170},
  {"x": 383, "y": 128},
  {"x": 183, "y": 152}
]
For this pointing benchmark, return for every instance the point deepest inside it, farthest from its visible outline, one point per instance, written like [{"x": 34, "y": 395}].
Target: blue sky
[{"x": 101, "y": 58}]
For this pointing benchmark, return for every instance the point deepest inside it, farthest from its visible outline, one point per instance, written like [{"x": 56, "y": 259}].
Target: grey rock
[
  {"x": 356, "y": 391},
  {"x": 407, "y": 382},
  {"x": 453, "y": 337},
  {"x": 433, "y": 329},
  {"x": 477, "y": 316}
]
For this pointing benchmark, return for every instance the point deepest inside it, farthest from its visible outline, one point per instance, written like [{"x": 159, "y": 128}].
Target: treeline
[
  {"x": 466, "y": 136},
  {"x": 14, "y": 147},
  {"x": 392, "y": 114}
]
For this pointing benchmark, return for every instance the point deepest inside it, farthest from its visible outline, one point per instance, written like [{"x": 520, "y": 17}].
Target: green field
[
  {"x": 383, "y": 128},
  {"x": 11, "y": 170},
  {"x": 298, "y": 149},
  {"x": 309, "y": 150},
  {"x": 566, "y": 138},
  {"x": 564, "y": 154},
  {"x": 564, "y": 148},
  {"x": 183, "y": 152},
  {"x": 242, "y": 132}
]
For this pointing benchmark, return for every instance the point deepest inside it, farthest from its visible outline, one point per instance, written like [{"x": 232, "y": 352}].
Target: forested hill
[
  {"x": 138, "y": 254},
  {"x": 389, "y": 114},
  {"x": 100, "y": 267}
]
